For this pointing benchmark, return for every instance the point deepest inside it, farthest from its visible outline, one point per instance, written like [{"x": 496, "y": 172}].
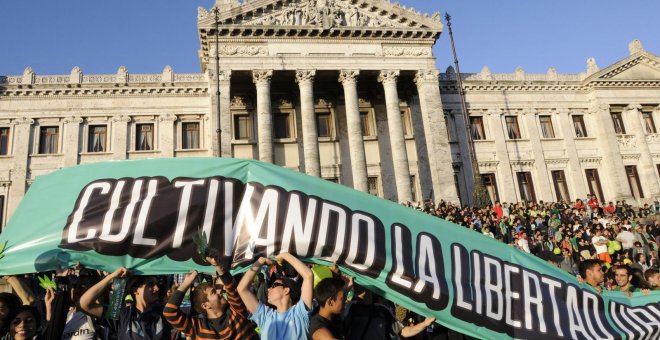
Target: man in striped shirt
[{"x": 224, "y": 315}]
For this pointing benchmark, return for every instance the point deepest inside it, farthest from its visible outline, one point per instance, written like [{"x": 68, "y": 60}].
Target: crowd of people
[
  {"x": 622, "y": 239},
  {"x": 607, "y": 246}
]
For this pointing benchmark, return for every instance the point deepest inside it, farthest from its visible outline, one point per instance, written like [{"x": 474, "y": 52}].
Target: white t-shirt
[
  {"x": 627, "y": 239},
  {"x": 599, "y": 249},
  {"x": 523, "y": 244},
  {"x": 78, "y": 327}
]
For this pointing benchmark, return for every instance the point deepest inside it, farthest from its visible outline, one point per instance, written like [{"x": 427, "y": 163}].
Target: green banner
[{"x": 148, "y": 216}]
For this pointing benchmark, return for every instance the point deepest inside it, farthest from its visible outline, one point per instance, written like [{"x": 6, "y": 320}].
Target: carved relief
[
  {"x": 240, "y": 50},
  {"x": 427, "y": 76},
  {"x": 224, "y": 75},
  {"x": 407, "y": 51},
  {"x": 321, "y": 13},
  {"x": 349, "y": 76},
  {"x": 388, "y": 76},
  {"x": 627, "y": 142},
  {"x": 305, "y": 76},
  {"x": 653, "y": 138},
  {"x": 239, "y": 101},
  {"x": 262, "y": 77}
]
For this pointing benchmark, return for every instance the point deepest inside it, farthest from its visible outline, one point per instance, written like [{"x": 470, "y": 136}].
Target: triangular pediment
[
  {"x": 318, "y": 14},
  {"x": 637, "y": 67}
]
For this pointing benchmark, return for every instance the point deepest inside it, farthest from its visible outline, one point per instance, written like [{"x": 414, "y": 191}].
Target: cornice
[{"x": 32, "y": 93}]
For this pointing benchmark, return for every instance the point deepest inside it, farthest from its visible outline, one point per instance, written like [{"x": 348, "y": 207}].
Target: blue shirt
[{"x": 292, "y": 324}]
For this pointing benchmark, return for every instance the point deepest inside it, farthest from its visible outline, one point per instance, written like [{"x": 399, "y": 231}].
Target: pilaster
[
  {"x": 544, "y": 189},
  {"x": 575, "y": 172},
  {"x": 71, "y": 140},
  {"x": 224, "y": 129},
  {"x": 437, "y": 138},
  {"x": 18, "y": 174},
  {"x": 166, "y": 134},
  {"x": 119, "y": 136},
  {"x": 646, "y": 169}
]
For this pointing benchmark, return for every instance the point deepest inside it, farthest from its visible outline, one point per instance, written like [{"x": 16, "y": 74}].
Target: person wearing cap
[
  {"x": 141, "y": 321},
  {"x": 224, "y": 316},
  {"x": 289, "y": 319}
]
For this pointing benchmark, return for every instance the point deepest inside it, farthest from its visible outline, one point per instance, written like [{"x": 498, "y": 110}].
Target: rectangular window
[
  {"x": 512, "y": 127},
  {"x": 48, "y": 139},
  {"x": 332, "y": 179},
  {"x": 547, "y": 131},
  {"x": 97, "y": 138},
  {"x": 190, "y": 135},
  {"x": 242, "y": 127},
  {"x": 4, "y": 141},
  {"x": 490, "y": 184},
  {"x": 580, "y": 128},
  {"x": 649, "y": 124},
  {"x": 406, "y": 121},
  {"x": 282, "y": 125},
  {"x": 594, "y": 184},
  {"x": 561, "y": 188},
  {"x": 617, "y": 120},
  {"x": 526, "y": 186},
  {"x": 372, "y": 182},
  {"x": 477, "y": 128},
  {"x": 413, "y": 188},
  {"x": 324, "y": 124},
  {"x": 367, "y": 124},
  {"x": 144, "y": 140},
  {"x": 633, "y": 181}
]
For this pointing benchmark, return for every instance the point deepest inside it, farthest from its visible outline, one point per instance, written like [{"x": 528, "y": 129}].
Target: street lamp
[{"x": 216, "y": 16}]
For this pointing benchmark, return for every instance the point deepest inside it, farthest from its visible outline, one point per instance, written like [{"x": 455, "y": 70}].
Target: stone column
[
  {"x": 349, "y": 78},
  {"x": 615, "y": 183},
  {"x": 646, "y": 168},
  {"x": 21, "y": 152},
  {"x": 437, "y": 139},
  {"x": 397, "y": 140},
  {"x": 264, "y": 115},
  {"x": 506, "y": 179},
  {"x": 575, "y": 173},
  {"x": 71, "y": 140},
  {"x": 166, "y": 135},
  {"x": 545, "y": 190},
  {"x": 226, "y": 133},
  {"x": 119, "y": 136},
  {"x": 305, "y": 80}
]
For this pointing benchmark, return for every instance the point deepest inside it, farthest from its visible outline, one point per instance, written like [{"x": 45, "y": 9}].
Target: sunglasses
[{"x": 277, "y": 284}]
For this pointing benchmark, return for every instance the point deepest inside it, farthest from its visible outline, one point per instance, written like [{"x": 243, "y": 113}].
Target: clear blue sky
[{"x": 145, "y": 35}]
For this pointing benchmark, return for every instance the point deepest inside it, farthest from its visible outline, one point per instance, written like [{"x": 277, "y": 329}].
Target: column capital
[
  {"x": 598, "y": 107},
  {"x": 23, "y": 121},
  {"x": 72, "y": 120},
  {"x": 349, "y": 76},
  {"x": 224, "y": 75},
  {"x": 262, "y": 76},
  {"x": 427, "y": 76},
  {"x": 388, "y": 76},
  {"x": 657, "y": 109},
  {"x": 121, "y": 119},
  {"x": 305, "y": 76},
  {"x": 168, "y": 117},
  {"x": 634, "y": 107}
]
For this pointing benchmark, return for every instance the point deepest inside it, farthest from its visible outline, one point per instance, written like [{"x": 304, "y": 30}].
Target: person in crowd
[
  {"x": 600, "y": 243},
  {"x": 652, "y": 276},
  {"x": 327, "y": 323},
  {"x": 224, "y": 315},
  {"x": 623, "y": 277},
  {"x": 640, "y": 263},
  {"x": 9, "y": 304},
  {"x": 24, "y": 324},
  {"x": 291, "y": 301},
  {"x": 143, "y": 320},
  {"x": 591, "y": 271}
]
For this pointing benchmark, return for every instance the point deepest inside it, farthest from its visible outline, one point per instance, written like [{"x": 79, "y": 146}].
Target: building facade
[{"x": 347, "y": 90}]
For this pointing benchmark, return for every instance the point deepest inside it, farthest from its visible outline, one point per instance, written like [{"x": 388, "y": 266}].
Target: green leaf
[{"x": 46, "y": 283}]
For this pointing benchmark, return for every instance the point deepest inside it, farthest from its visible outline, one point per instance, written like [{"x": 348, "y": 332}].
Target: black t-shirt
[{"x": 317, "y": 322}]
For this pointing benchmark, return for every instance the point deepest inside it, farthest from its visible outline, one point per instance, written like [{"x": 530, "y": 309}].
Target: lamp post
[
  {"x": 216, "y": 16},
  {"x": 480, "y": 197}
]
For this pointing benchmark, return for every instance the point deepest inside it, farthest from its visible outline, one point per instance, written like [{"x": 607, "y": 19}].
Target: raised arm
[
  {"x": 410, "y": 331},
  {"x": 307, "y": 288},
  {"x": 249, "y": 299},
  {"x": 88, "y": 299},
  {"x": 173, "y": 314},
  {"x": 21, "y": 289}
]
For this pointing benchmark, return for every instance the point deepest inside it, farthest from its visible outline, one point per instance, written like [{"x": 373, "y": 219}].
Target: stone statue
[
  {"x": 353, "y": 18},
  {"x": 591, "y": 66},
  {"x": 635, "y": 46}
]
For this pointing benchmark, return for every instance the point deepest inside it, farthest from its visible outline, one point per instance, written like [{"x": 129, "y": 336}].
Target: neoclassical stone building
[{"x": 347, "y": 90}]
